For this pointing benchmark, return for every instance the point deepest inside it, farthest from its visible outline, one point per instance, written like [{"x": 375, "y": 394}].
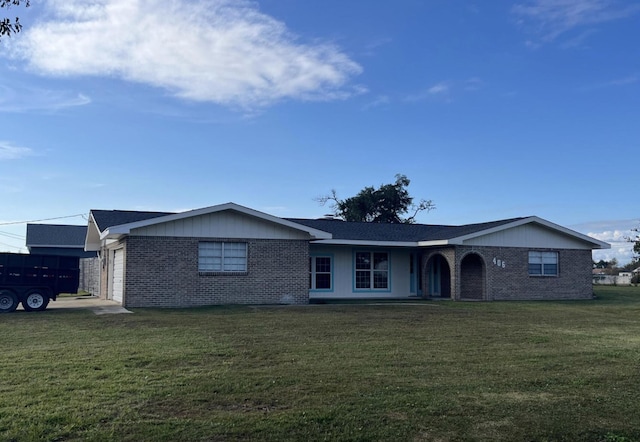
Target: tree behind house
[{"x": 389, "y": 203}]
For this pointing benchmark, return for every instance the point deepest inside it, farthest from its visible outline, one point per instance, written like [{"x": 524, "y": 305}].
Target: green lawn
[{"x": 441, "y": 371}]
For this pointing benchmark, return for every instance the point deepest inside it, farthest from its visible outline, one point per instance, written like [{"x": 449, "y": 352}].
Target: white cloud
[
  {"x": 473, "y": 84},
  {"x": 551, "y": 18},
  {"x": 437, "y": 89},
  {"x": 222, "y": 51},
  {"x": 380, "y": 100},
  {"x": 25, "y": 99},
  {"x": 614, "y": 232},
  {"x": 441, "y": 89},
  {"x": 9, "y": 151},
  {"x": 631, "y": 79}
]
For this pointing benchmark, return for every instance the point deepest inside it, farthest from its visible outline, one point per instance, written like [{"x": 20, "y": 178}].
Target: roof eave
[
  {"x": 433, "y": 243},
  {"x": 62, "y": 246}
]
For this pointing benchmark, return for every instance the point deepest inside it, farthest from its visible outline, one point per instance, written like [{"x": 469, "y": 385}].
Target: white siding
[
  {"x": 226, "y": 224},
  {"x": 529, "y": 236},
  {"x": 343, "y": 273}
]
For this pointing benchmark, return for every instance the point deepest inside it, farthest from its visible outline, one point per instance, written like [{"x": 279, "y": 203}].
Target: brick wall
[
  {"x": 508, "y": 277},
  {"x": 163, "y": 272},
  {"x": 513, "y": 281}
]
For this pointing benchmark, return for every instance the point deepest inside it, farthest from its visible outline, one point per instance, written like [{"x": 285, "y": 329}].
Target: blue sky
[{"x": 493, "y": 109}]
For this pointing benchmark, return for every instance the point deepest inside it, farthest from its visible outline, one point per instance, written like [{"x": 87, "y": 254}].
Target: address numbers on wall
[{"x": 499, "y": 263}]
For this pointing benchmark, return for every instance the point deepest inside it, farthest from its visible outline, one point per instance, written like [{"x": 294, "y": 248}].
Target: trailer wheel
[
  {"x": 36, "y": 300},
  {"x": 8, "y": 301}
]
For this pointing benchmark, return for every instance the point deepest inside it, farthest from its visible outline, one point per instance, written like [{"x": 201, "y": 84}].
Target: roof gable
[
  {"x": 114, "y": 224},
  {"x": 531, "y": 232}
]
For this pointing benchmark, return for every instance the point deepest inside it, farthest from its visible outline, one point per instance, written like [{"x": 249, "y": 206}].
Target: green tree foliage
[
  {"x": 389, "y": 203},
  {"x": 8, "y": 26},
  {"x": 609, "y": 267}
]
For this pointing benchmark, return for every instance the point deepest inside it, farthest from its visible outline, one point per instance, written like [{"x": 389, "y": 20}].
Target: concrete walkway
[{"x": 96, "y": 305}]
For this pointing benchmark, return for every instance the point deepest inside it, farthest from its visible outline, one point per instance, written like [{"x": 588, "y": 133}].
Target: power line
[
  {"x": 12, "y": 235},
  {"x": 44, "y": 219}
]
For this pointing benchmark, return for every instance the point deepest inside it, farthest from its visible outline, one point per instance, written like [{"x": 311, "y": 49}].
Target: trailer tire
[
  {"x": 8, "y": 301},
  {"x": 36, "y": 300}
]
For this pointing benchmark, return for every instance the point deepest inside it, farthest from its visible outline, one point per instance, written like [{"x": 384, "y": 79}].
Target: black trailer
[{"x": 34, "y": 280}]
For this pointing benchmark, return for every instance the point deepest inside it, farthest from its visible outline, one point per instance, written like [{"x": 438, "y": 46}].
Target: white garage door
[{"x": 118, "y": 273}]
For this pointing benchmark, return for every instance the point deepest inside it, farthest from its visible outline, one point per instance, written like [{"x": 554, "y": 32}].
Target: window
[
  {"x": 543, "y": 263},
  {"x": 222, "y": 257},
  {"x": 372, "y": 270},
  {"x": 320, "y": 273}
]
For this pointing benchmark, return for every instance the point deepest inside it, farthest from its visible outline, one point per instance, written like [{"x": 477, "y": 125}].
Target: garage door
[{"x": 118, "y": 273}]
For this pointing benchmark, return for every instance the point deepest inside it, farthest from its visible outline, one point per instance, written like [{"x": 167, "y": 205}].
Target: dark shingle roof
[
  {"x": 395, "y": 232},
  {"x": 109, "y": 218},
  {"x": 339, "y": 229},
  {"x": 55, "y": 235}
]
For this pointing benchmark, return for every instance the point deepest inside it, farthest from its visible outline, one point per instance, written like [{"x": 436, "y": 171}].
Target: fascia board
[
  {"x": 439, "y": 242},
  {"x": 125, "y": 229},
  {"x": 61, "y": 246},
  {"x": 363, "y": 243},
  {"x": 93, "y": 237}
]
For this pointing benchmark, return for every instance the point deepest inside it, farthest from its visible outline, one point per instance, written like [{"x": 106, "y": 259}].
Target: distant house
[
  {"x": 57, "y": 239},
  {"x": 230, "y": 254}
]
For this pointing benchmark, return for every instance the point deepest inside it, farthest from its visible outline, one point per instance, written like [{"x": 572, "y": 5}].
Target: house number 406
[{"x": 499, "y": 262}]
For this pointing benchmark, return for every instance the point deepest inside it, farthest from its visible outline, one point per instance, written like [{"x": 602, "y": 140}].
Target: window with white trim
[
  {"x": 543, "y": 263},
  {"x": 372, "y": 270},
  {"x": 320, "y": 272},
  {"x": 217, "y": 256}
]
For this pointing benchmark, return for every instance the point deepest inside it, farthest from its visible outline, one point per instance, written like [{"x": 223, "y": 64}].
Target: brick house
[{"x": 230, "y": 254}]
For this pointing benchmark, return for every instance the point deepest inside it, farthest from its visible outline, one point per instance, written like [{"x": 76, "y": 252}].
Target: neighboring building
[
  {"x": 57, "y": 239},
  {"x": 620, "y": 279},
  {"x": 230, "y": 254},
  {"x": 66, "y": 240}
]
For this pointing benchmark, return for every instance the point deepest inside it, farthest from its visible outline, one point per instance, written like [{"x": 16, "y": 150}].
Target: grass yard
[{"x": 437, "y": 371}]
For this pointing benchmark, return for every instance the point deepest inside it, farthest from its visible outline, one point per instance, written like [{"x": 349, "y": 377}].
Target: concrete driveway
[{"x": 96, "y": 305}]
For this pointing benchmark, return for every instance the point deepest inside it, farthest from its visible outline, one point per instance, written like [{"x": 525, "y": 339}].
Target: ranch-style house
[{"x": 230, "y": 254}]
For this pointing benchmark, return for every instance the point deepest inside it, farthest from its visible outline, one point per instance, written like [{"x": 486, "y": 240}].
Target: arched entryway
[
  {"x": 472, "y": 277},
  {"x": 438, "y": 277}
]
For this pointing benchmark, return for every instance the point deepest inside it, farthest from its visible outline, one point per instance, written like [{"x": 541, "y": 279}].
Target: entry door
[{"x": 118, "y": 274}]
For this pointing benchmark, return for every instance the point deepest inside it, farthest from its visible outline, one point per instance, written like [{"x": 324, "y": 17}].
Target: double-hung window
[
  {"x": 320, "y": 273},
  {"x": 372, "y": 270},
  {"x": 543, "y": 263},
  {"x": 217, "y": 256}
]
